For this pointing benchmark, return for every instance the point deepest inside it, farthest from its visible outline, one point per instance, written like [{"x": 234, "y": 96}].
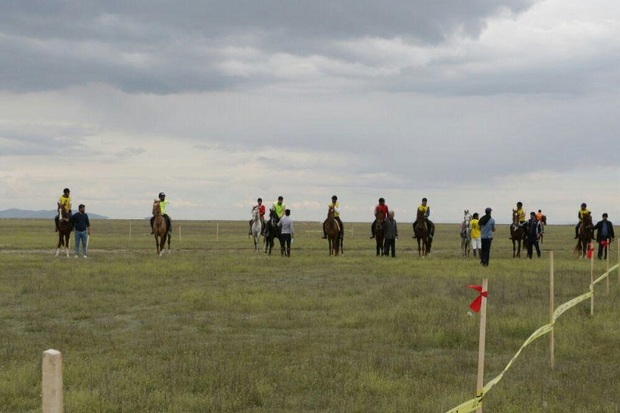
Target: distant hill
[{"x": 22, "y": 213}]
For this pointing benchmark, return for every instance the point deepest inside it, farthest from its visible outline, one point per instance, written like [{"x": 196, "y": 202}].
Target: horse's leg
[{"x": 169, "y": 239}]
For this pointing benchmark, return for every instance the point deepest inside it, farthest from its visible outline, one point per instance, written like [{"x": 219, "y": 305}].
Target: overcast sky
[{"x": 469, "y": 103}]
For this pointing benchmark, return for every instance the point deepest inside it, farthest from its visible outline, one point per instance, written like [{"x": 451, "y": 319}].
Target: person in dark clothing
[
  {"x": 487, "y": 228},
  {"x": 390, "y": 233},
  {"x": 534, "y": 229},
  {"x": 604, "y": 235},
  {"x": 81, "y": 224}
]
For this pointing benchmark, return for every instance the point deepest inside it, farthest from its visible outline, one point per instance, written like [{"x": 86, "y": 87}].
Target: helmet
[
  {"x": 162, "y": 194},
  {"x": 519, "y": 204},
  {"x": 66, "y": 190},
  {"x": 381, "y": 200},
  {"x": 334, "y": 198},
  {"x": 583, "y": 205}
]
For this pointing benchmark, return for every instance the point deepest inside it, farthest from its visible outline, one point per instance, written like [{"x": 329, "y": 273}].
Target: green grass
[{"x": 216, "y": 327}]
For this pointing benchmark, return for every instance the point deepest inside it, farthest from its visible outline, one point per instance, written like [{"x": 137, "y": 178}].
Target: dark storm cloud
[{"x": 167, "y": 47}]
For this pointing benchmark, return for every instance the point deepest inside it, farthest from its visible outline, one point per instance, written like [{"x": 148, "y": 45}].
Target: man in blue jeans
[
  {"x": 81, "y": 224},
  {"x": 487, "y": 227}
]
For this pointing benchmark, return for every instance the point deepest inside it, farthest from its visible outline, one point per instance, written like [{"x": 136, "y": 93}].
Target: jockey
[
  {"x": 584, "y": 210},
  {"x": 336, "y": 206},
  {"x": 279, "y": 207},
  {"x": 261, "y": 214},
  {"x": 521, "y": 214},
  {"x": 382, "y": 209},
  {"x": 427, "y": 212},
  {"x": 163, "y": 203},
  {"x": 64, "y": 202}
]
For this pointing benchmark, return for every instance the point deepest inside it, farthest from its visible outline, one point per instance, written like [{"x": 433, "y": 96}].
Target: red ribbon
[
  {"x": 604, "y": 243},
  {"x": 590, "y": 252},
  {"x": 475, "y": 305}
]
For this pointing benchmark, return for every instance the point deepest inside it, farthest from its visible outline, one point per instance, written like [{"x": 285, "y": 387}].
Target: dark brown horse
[
  {"x": 64, "y": 232},
  {"x": 379, "y": 233},
  {"x": 423, "y": 233},
  {"x": 517, "y": 235},
  {"x": 161, "y": 233},
  {"x": 272, "y": 231},
  {"x": 586, "y": 235},
  {"x": 333, "y": 231}
]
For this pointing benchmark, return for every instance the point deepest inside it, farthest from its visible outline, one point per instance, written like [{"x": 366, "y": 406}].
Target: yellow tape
[{"x": 475, "y": 403}]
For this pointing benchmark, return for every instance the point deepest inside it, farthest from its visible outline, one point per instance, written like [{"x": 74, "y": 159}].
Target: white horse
[
  {"x": 465, "y": 233},
  {"x": 257, "y": 229}
]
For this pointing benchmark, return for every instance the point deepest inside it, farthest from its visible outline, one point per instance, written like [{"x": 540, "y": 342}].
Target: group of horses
[
  {"x": 269, "y": 230},
  {"x": 423, "y": 232}
]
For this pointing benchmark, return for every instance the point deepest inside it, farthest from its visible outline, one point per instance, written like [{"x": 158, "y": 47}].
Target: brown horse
[
  {"x": 517, "y": 235},
  {"x": 379, "y": 233},
  {"x": 586, "y": 235},
  {"x": 423, "y": 233},
  {"x": 64, "y": 232},
  {"x": 333, "y": 231},
  {"x": 161, "y": 233}
]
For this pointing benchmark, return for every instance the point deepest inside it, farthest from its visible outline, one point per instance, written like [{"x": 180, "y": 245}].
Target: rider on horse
[
  {"x": 424, "y": 208},
  {"x": 163, "y": 203},
  {"x": 583, "y": 211},
  {"x": 335, "y": 205},
  {"x": 261, "y": 214},
  {"x": 279, "y": 207},
  {"x": 380, "y": 209},
  {"x": 64, "y": 202},
  {"x": 521, "y": 214}
]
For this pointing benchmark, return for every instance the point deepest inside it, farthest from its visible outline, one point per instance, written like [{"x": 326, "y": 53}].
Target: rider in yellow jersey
[
  {"x": 64, "y": 202},
  {"x": 163, "y": 203},
  {"x": 584, "y": 210},
  {"x": 279, "y": 207},
  {"x": 427, "y": 212},
  {"x": 336, "y": 206}
]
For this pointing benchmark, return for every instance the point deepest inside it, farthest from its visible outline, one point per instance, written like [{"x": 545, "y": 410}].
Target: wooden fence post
[{"x": 52, "y": 382}]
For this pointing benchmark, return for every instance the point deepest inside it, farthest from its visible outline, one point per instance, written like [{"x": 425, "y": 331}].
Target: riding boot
[{"x": 372, "y": 229}]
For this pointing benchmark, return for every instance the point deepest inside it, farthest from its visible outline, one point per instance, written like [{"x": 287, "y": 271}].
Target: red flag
[
  {"x": 475, "y": 305},
  {"x": 590, "y": 250},
  {"x": 604, "y": 243}
]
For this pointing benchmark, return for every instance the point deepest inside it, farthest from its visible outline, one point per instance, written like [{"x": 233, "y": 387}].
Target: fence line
[{"x": 476, "y": 403}]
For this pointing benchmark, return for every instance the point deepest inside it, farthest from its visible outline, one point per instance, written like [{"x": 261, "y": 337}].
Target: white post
[
  {"x": 482, "y": 342},
  {"x": 52, "y": 382},
  {"x": 551, "y": 310},
  {"x": 217, "y": 232},
  {"x": 591, "y": 252}
]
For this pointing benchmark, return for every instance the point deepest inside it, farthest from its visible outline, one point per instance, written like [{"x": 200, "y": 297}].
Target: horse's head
[
  {"x": 156, "y": 208},
  {"x": 420, "y": 215},
  {"x": 587, "y": 219},
  {"x": 544, "y": 219},
  {"x": 515, "y": 217},
  {"x": 255, "y": 212},
  {"x": 330, "y": 212}
]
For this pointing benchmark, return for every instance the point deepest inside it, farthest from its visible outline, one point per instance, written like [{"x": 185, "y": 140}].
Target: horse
[
  {"x": 161, "y": 233},
  {"x": 333, "y": 231},
  {"x": 64, "y": 232},
  {"x": 257, "y": 228},
  {"x": 517, "y": 235},
  {"x": 586, "y": 235},
  {"x": 543, "y": 223},
  {"x": 379, "y": 233},
  {"x": 465, "y": 233},
  {"x": 272, "y": 231},
  {"x": 423, "y": 233}
]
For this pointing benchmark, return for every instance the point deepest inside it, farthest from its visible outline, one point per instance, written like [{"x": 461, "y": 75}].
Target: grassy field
[{"x": 216, "y": 327}]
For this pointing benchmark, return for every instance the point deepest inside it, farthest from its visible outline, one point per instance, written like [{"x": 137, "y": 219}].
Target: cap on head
[
  {"x": 424, "y": 199},
  {"x": 487, "y": 210},
  {"x": 334, "y": 198},
  {"x": 161, "y": 194},
  {"x": 66, "y": 190},
  {"x": 583, "y": 205},
  {"x": 519, "y": 204}
]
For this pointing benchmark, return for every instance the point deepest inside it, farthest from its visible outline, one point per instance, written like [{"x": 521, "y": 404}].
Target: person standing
[
  {"x": 487, "y": 227},
  {"x": 534, "y": 229},
  {"x": 64, "y": 203},
  {"x": 474, "y": 226},
  {"x": 336, "y": 206},
  {"x": 163, "y": 204},
  {"x": 382, "y": 210},
  {"x": 81, "y": 224},
  {"x": 286, "y": 233},
  {"x": 261, "y": 214},
  {"x": 584, "y": 210},
  {"x": 279, "y": 207},
  {"x": 604, "y": 235},
  {"x": 390, "y": 234}
]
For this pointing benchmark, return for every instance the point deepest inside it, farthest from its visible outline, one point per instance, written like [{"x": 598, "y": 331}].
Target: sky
[{"x": 472, "y": 104}]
